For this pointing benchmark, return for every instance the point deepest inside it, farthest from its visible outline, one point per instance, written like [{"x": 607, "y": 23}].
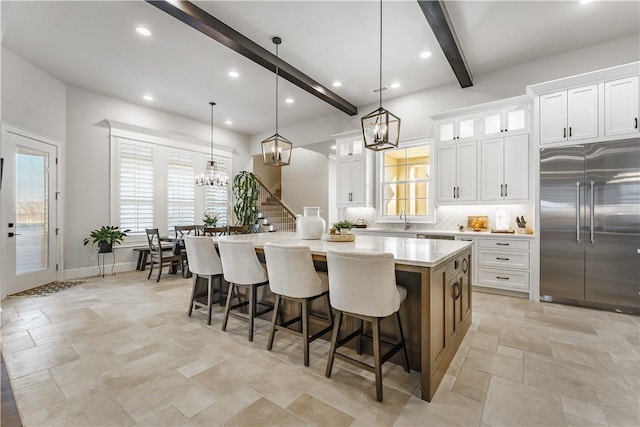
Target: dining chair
[
  {"x": 159, "y": 255},
  {"x": 242, "y": 269},
  {"x": 214, "y": 231},
  {"x": 204, "y": 262},
  {"x": 238, "y": 229},
  {"x": 363, "y": 285},
  {"x": 293, "y": 277}
]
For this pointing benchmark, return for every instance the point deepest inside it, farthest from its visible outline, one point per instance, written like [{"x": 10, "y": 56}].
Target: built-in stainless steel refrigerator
[{"x": 590, "y": 225}]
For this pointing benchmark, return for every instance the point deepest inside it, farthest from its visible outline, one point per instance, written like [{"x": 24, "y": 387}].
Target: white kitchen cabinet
[
  {"x": 508, "y": 120},
  {"x": 569, "y": 115},
  {"x": 504, "y": 168},
  {"x": 457, "y": 129},
  {"x": 457, "y": 172},
  {"x": 354, "y": 175},
  {"x": 503, "y": 263},
  {"x": 621, "y": 107}
]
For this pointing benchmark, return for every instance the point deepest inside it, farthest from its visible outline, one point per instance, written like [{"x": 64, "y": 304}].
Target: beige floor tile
[
  {"x": 446, "y": 408},
  {"x": 472, "y": 383},
  {"x": 263, "y": 412},
  {"x": 511, "y": 403},
  {"x": 283, "y": 384},
  {"x": 193, "y": 368},
  {"x": 38, "y": 396},
  {"x": 32, "y": 379},
  {"x": 495, "y": 364},
  {"x": 317, "y": 413},
  {"x": 510, "y": 351},
  {"x": 561, "y": 387},
  {"x": 583, "y": 410},
  {"x": 482, "y": 340},
  {"x": 168, "y": 417},
  {"x": 35, "y": 359},
  {"x": 18, "y": 341},
  {"x": 232, "y": 373},
  {"x": 576, "y": 421},
  {"x": 619, "y": 408},
  {"x": 84, "y": 375},
  {"x": 233, "y": 401},
  {"x": 95, "y": 409}
]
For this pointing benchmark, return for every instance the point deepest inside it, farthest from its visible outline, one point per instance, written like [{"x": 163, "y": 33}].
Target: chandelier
[
  {"x": 212, "y": 177},
  {"x": 380, "y": 128},
  {"x": 276, "y": 150}
]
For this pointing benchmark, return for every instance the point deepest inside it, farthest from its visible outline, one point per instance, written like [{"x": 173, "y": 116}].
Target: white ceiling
[{"x": 93, "y": 45}]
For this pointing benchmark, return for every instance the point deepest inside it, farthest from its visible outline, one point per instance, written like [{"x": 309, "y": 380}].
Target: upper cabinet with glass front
[
  {"x": 457, "y": 129},
  {"x": 349, "y": 147},
  {"x": 510, "y": 120}
]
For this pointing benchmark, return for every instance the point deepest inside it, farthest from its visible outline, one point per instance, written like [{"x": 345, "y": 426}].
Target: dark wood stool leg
[
  {"x": 334, "y": 341},
  {"x": 226, "y": 310},
  {"x": 143, "y": 264},
  {"x": 329, "y": 313},
  {"x": 274, "y": 318},
  {"x": 252, "y": 310},
  {"x": 360, "y": 336},
  {"x": 150, "y": 269},
  {"x": 305, "y": 330},
  {"x": 159, "y": 270},
  {"x": 193, "y": 293},
  {"x": 404, "y": 346},
  {"x": 375, "y": 325},
  {"x": 209, "y": 298}
]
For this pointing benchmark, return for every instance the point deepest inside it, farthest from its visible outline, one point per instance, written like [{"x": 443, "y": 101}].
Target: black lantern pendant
[
  {"x": 380, "y": 128},
  {"x": 276, "y": 150},
  {"x": 212, "y": 177}
]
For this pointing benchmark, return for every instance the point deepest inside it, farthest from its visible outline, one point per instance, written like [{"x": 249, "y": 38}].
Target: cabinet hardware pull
[
  {"x": 502, "y": 244},
  {"x": 502, "y": 278},
  {"x": 465, "y": 265},
  {"x": 506, "y": 191},
  {"x": 636, "y": 126},
  {"x": 502, "y": 259},
  {"x": 578, "y": 212},
  {"x": 458, "y": 192},
  {"x": 569, "y": 131},
  {"x": 501, "y": 130},
  {"x": 564, "y": 133},
  {"x": 454, "y": 192},
  {"x": 456, "y": 287},
  {"x": 506, "y": 130},
  {"x": 591, "y": 213},
  {"x": 501, "y": 190}
]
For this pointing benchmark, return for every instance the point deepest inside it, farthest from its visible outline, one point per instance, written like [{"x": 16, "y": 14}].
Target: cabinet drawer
[
  {"x": 506, "y": 279},
  {"x": 503, "y": 258},
  {"x": 504, "y": 244}
]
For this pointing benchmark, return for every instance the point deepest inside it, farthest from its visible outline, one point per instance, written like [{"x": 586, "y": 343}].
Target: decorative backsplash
[{"x": 448, "y": 217}]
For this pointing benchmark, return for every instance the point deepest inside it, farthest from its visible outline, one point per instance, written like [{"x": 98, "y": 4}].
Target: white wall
[
  {"x": 415, "y": 109},
  {"x": 86, "y": 199},
  {"x": 31, "y": 99},
  {"x": 305, "y": 182}
]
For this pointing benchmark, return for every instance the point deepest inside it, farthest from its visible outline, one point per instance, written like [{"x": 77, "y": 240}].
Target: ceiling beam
[
  {"x": 197, "y": 18},
  {"x": 438, "y": 19}
]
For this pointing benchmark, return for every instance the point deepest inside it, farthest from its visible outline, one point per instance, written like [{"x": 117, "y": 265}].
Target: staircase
[{"x": 273, "y": 213}]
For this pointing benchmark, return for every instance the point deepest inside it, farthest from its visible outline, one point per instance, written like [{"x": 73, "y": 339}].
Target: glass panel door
[{"x": 29, "y": 211}]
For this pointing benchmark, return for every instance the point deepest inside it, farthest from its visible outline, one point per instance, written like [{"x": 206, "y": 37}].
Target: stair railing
[{"x": 279, "y": 214}]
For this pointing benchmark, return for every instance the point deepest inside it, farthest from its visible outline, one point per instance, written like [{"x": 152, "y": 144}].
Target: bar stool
[
  {"x": 241, "y": 268},
  {"x": 293, "y": 277},
  {"x": 363, "y": 285},
  {"x": 204, "y": 262}
]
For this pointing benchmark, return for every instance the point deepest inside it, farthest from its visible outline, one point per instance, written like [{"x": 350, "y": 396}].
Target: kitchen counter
[
  {"x": 437, "y": 311},
  {"x": 412, "y": 231}
]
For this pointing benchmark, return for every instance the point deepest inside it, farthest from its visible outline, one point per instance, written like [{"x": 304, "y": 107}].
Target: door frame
[{"x": 6, "y": 128}]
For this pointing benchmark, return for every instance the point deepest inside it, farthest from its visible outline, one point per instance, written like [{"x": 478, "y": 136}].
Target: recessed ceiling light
[
  {"x": 336, "y": 84},
  {"x": 585, "y": 1},
  {"x": 148, "y": 98},
  {"x": 395, "y": 85},
  {"x": 289, "y": 101},
  {"x": 425, "y": 54},
  {"x": 333, "y": 147},
  {"x": 233, "y": 74},
  {"x": 228, "y": 122},
  {"x": 143, "y": 31}
]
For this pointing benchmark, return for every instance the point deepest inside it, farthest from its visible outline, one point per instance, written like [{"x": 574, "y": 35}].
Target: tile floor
[{"x": 121, "y": 351}]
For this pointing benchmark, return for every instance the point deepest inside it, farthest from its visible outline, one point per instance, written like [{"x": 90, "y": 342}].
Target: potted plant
[
  {"x": 105, "y": 237},
  {"x": 245, "y": 191},
  {"x": 210, "y": 218},
  {"x": 341, "y": 225}
]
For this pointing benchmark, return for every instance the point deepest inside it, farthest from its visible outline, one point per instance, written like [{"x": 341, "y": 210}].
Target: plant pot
[{"x": 105, "y": 247}]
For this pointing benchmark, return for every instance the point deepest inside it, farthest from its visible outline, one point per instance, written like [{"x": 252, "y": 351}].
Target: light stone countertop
[
  {"x": 412, "y": 231},
  {"x": 408, "y": 251}
]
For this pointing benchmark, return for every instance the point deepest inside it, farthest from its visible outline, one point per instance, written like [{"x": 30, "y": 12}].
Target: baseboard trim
[{"x": 81, "y": 273}]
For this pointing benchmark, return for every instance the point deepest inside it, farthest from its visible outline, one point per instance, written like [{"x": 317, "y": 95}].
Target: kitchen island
[{"x": 437, "y": 274}]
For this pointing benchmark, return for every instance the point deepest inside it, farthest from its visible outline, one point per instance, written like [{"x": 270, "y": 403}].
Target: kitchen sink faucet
[{"x": 405, "y": 224}]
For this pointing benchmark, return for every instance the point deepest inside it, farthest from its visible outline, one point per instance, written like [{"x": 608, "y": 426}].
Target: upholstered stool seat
[
  {"x": 204, "y": 262},
  {"x": 242, "y": 269},
  {"x": 293, "y": 277},
  {"x": 363, "y": 285}
]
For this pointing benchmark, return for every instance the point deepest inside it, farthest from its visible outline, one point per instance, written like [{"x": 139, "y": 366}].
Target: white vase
[{"x": 311, "y": 225}]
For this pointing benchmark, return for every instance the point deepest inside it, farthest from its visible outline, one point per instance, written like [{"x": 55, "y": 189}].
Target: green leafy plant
[
  {"x": 336, "y": 227},
  {"x": 210, "y": 218},
  {"x": 106, "y": 236},
  {"x": 245, "y": 191}
]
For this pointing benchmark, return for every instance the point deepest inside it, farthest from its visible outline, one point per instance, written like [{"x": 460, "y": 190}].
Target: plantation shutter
[
  {"x": 136, "y": 186},
  {"x": 180, "y": 188},
  {"x": 216, "y": 197}
]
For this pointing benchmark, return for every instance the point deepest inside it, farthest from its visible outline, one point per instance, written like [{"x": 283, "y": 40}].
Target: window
[
  {"x": 153, "y": 183},
  {"x": 405, "y": 183}
]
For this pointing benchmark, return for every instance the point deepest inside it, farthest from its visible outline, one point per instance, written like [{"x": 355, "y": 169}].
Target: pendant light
[
  {"x": 212, "y": 177},
  {"x": 380, "y": 128},
  {"x": 276, "y": 150}
]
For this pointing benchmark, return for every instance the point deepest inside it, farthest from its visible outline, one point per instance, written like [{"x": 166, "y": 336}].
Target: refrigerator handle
[
  {"x": 591, "y": 215},
  {"x": 578, "y": 212}
]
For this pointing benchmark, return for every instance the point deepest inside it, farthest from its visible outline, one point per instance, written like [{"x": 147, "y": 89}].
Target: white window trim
[
  {"x": 422, "y": 219},
  {"x": 119, "y": 130}
]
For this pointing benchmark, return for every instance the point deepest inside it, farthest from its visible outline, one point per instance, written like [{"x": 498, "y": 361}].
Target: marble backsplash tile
[{"x": 447, "y": 217}]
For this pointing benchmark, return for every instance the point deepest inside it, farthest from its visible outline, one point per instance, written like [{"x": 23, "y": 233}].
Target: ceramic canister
[{"x": 311, "y": 225}]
